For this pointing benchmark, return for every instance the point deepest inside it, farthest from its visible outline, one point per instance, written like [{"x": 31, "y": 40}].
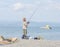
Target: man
[{"x": 25, "y": 24}]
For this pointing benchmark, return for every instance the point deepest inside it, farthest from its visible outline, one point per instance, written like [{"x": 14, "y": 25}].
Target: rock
[
  {"x": 1, "y": 38},
  {"x": 12, "y": 39},
  {"x": 38, "y": 38}
]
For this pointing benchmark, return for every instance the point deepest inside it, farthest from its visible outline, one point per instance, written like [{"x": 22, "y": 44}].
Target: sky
[{"x": 15, "y": 10}]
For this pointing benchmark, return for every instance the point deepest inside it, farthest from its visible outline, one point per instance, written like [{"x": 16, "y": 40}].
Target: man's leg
[{"x": 24, "y": 33}]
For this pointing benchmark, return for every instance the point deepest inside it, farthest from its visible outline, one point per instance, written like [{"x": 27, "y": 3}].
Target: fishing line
[{"x": 34, "y": 13}]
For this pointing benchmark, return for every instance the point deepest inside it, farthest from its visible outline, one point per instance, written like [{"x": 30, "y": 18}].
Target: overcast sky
[{"x": 15, "y": 10}]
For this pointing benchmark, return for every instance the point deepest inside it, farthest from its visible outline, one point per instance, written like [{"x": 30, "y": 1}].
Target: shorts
[{"x": 25, "y": 32}]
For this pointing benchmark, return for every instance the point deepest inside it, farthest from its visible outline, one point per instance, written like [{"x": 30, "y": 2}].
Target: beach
[{"x": 34, "y": 43}]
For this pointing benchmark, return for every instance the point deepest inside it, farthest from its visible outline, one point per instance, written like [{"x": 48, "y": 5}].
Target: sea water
[{"x": 34, "y": 30}]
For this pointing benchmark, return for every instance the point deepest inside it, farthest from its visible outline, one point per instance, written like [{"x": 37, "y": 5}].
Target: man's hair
[{"x": 24, "y": 19}]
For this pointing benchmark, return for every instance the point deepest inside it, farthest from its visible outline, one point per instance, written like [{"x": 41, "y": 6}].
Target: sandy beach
[{"x": 34, "y": 43}]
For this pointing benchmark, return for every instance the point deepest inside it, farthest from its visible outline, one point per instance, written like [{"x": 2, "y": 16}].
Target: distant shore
[{"x": 34, "y": 43}]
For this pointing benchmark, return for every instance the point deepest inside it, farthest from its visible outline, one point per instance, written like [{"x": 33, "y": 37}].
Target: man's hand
[{"x": 28, "y": 22}]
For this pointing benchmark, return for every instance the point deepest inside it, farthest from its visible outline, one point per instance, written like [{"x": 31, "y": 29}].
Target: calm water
[{"x": 16, "y": 31}]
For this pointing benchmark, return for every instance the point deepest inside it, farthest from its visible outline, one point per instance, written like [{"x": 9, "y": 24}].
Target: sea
[{"x": 14, "y": 29}]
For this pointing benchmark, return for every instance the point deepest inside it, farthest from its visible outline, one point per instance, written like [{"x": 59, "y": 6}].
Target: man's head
[{"x": 24, "y": 19}]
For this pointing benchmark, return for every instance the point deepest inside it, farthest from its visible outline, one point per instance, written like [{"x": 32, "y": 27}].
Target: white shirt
[{"x": 24, "y": 25}]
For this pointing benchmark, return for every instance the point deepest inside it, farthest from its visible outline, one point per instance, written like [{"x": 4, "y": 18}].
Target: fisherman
[{"x": 25, "y": 25}]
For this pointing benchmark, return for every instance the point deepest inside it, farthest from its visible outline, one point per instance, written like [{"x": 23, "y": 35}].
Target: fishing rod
[{"x": 33, "y": 13}]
